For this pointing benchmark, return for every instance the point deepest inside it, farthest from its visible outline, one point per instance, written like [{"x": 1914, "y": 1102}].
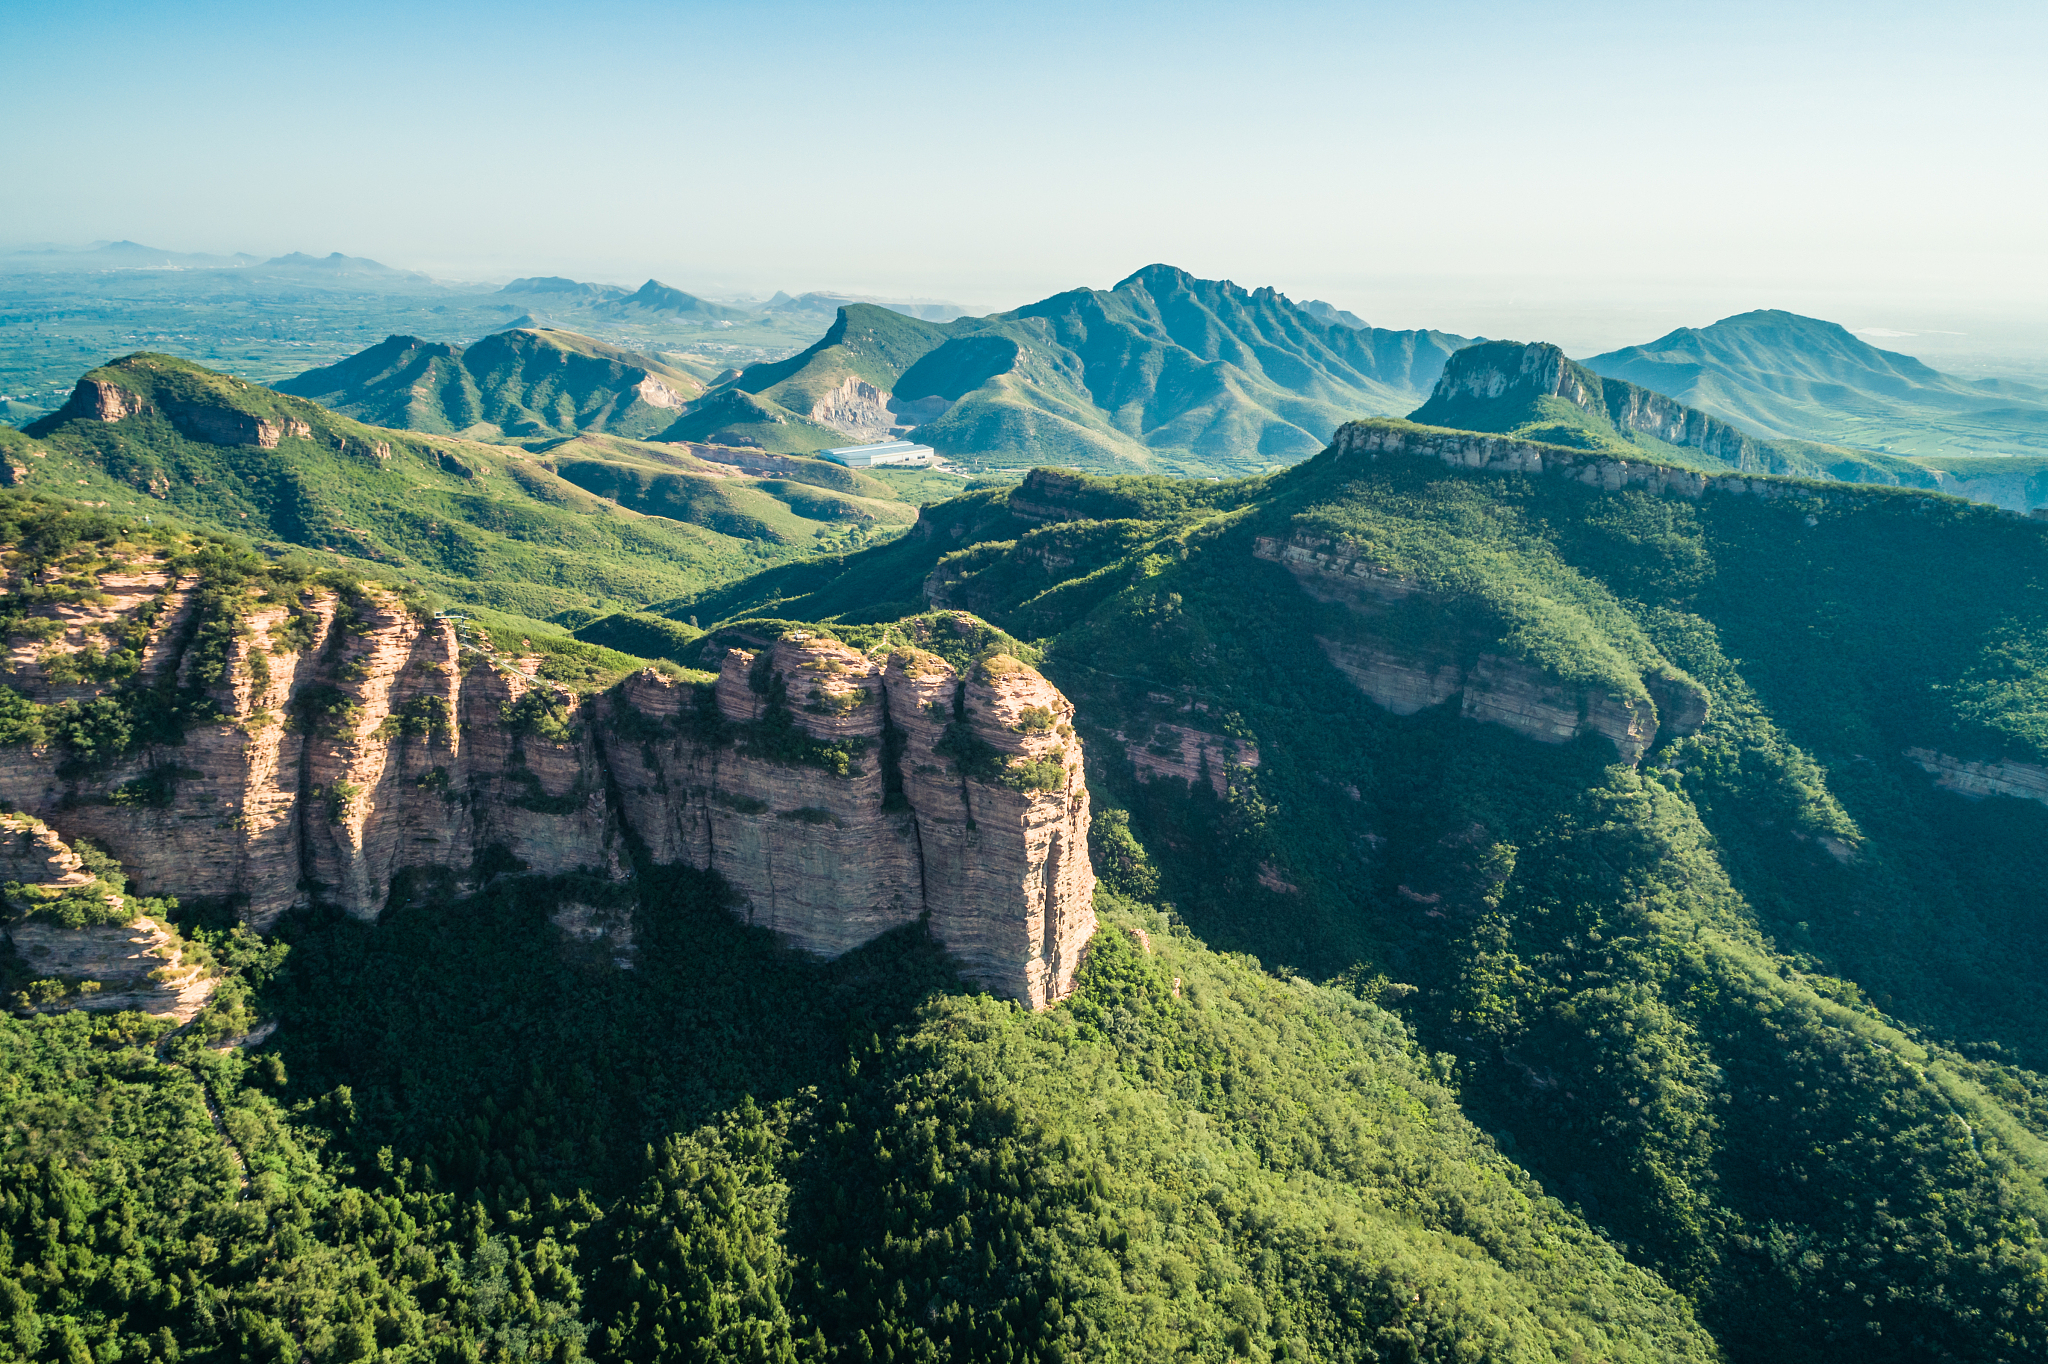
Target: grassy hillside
[
  {"x": 492, "y": 526},
  {"x": 1163, "y": 372},
  {"x": 523, "y": 383},
  {"x": 1780, "y": 374},
  {"x": 1763, "y": 1007}
]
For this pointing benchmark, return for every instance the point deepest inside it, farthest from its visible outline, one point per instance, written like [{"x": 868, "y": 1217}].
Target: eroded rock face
[
  {"x": 839, "y": 810},
  {"x": 1489, "y": 688},
  {"x": 362, "y": 750},
  {"x": 2022, "y": 781},
  {"x": 137, "y": 965},
  {"x": 140, "y": 965}
]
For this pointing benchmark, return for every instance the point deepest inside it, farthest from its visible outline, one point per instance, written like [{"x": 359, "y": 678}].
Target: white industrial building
[{"x": 887, "y": 452}]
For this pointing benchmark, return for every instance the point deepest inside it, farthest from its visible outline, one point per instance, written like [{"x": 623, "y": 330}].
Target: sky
[{"x": 1591, "y": 174}]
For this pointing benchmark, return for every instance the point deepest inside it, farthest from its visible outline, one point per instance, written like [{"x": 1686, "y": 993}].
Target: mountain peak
[{"x": 1782, "y": 373}]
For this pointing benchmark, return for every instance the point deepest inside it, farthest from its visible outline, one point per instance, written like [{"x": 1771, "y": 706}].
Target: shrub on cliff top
[
  {"x": 21, "y": 720},
  {"x": 543, "y": 713}
]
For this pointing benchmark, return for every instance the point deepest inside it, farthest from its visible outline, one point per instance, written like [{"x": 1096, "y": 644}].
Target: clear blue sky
[{"x": 1437, "y": 164}]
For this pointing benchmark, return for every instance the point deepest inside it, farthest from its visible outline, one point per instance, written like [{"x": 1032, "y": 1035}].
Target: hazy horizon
[{"x": 1593, "y": 178}]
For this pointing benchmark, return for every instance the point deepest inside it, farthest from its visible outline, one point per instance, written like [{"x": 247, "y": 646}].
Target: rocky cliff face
[
  {"x": 915, "y": 792},
  {"x": 134, "y": 963},
  {"x": 1503, "y": 372},
  {"x": 361, "y": 750},
  {"x": 2021, "y": 781},
  {"x": 1490, "y": 688},
  {"x": 99, "y": 400}
]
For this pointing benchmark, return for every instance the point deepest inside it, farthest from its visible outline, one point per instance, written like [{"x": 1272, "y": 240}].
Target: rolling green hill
[
  {"x": 1163, "y": 372},
  {"x": 536, "y": 534},
  {"x": 1783, "y": 375},
  {"x": 522, "y": 383},
  {"x": 1536, "y": 393},
  {"x": 1760, "y": 993}
]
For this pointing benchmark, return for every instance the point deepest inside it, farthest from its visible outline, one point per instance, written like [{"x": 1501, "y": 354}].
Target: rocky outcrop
[
  {"x": 2021, "y": 781},
  {"x": 1179, "y": 753},
  {"x": 362, "y": 753},
  {"x": 139, "y": 964},
  {"x": 99, "y": 401},
  {"x": 214, "y": 423},
  {"x": 1505, "y": 372},
  {"x": 1489, "y": 688},
  {"x": 843, "y": 796}
]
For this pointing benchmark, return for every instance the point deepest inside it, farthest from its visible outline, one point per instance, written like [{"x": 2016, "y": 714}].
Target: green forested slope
[
  {"x": 1781, "y": 374},
  {"x": 464, "y": 1145},
  {"x": 529, "y": 382},
  {"x": 1165, "y": 371},
  {"x": 1766, "y": 1007},
  {"x": 1735, "y": 1052},
  {"x": 491, "y": 526}
]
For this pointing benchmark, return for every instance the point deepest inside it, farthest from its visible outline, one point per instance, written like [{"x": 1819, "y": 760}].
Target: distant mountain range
[
  {"x": 1782, "y": 375},
  {"x": 1164, "y": 372},
  {"x": 520, "y": 383},
  {"x": 121, "y": 255},
  {"x": 587, "y": 522},
  {"x": 126, "y": 255},
  {"x": 654, "y": 297},
  {"x": 1535, "y": 392}
]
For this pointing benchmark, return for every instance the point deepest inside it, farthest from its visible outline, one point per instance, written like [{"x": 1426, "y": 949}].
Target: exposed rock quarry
[
  {"x": 867, "y": 413},
  {"x": 363, "y": 750},
  {"x": 1490, "y": 688}
]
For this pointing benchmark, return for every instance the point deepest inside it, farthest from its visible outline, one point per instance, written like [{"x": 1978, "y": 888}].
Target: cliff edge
[{"x": 341, "y": 746}]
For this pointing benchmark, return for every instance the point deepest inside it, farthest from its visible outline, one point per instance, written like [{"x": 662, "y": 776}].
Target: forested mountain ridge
[
  {"x": 1661, "y": 835},
  {"x": 581, "y": 526},
  {"x": 715, "y": 1153},
  {"x": 1164, "y": 371},
  {"x": 1639, "y": 790},
  {"x": 535, "y": 382},
  {"x": 1537, "y": 393},
  {"x": 1786, "y": 376}
]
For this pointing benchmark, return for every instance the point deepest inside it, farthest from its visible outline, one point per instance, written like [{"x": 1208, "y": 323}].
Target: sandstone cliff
[
  {"x": 123, "y": 960},
  {"x": 359, "y": 749},
  {"x": 844, "y": 795}
]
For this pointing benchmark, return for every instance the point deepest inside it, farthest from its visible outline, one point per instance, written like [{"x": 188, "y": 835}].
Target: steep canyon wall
[{"x": 362, "y": 750}]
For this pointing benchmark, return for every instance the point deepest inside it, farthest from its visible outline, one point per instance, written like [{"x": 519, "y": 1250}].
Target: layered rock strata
[
  {"x": 1505, "y": 454},
  {"x": 843, "y": 796},
  {"x": 1489, "y": 688},
  {"x": 2021, "y": 781},
  {"x": 139, "y": 964},
  {"x": 361, "y": 752}
]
